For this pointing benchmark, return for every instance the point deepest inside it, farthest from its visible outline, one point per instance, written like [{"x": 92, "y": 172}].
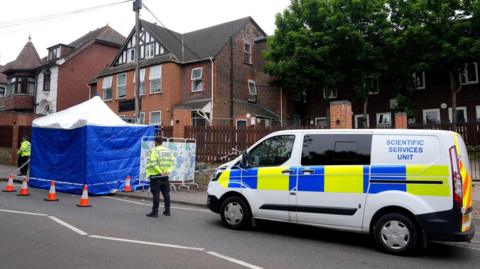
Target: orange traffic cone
[
  {"x": 52, "y": 195},
  {"x": 84, "y": 199},
  {"x": 9, "y": 187},
  {"x": 128, "y": 188},
  {"x": 24, "y": 189}
]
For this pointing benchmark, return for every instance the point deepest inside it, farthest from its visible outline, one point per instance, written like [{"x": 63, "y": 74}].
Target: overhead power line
[{"x": 20, "y": 22}]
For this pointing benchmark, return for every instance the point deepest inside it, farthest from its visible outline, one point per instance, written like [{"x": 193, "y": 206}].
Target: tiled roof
[
  {"x": 200, "y": 44},
  {"x": 27, "y": 59},
  {"x": 194, "y": 105},
  {"x": 3, "y": 77},
  {"x": 106, "y": 34}
]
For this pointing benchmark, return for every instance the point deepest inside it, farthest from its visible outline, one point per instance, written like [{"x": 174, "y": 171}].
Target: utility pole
[{"x": 137, "y": 5}]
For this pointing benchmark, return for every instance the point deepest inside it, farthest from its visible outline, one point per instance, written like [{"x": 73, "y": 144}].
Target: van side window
[
  {"x": 330, "y": 149},
  {"x": 274, "y": 151}
]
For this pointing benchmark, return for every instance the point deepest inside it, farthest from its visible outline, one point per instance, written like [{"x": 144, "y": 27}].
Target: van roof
[{"x": 368, "y": 131}]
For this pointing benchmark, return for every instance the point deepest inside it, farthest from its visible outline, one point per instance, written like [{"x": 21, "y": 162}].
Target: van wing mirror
[{"x": 244, "y": 160}]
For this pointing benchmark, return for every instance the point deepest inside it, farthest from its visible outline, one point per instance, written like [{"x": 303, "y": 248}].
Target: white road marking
[
  {"x": 145, "y": 242},
  {"x": 230, "y": 259},
  {"x": 22, "y": 212},
  {"x": 71, "y": 227},
  {"x": 174, "y": 207}
]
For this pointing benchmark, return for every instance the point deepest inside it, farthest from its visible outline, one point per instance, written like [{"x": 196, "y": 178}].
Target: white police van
[{"x": 403, "y": 187}]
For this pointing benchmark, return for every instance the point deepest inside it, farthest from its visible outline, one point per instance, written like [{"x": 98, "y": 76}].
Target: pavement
[{"x": 198, "y": 198}]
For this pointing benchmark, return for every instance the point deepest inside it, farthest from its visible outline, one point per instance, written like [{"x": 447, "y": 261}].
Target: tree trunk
[{"x": 365, "y": 114}]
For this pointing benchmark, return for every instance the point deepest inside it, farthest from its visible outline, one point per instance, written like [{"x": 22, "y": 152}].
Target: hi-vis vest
[
  {"x": 24, "y": 150},
  {"x": 160, "y": 161}
]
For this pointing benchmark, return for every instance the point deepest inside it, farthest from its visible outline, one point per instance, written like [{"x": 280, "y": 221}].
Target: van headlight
[{"x": 216, "y": 174}]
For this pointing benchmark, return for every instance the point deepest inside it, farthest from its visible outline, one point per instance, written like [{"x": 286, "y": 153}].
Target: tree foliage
[{"x": 349, "y": 44}]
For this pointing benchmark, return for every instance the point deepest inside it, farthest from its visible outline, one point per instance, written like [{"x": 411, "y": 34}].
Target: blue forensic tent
[{"x": 86, "y": 144}]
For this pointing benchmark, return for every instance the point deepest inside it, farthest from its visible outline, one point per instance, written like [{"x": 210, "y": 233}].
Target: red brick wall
[
  {"x": 268, "y": 97},
  {"x": 16, "y": 120},
  {"x": 170, "y": 96},
  {"x": 75, "y": 73},
  {"x": 340, "y": 115}
]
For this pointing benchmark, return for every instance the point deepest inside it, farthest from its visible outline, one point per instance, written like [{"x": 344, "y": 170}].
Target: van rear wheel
[
  {"x": 235, "y": 213},
  {"x": 396, "y": 233}
]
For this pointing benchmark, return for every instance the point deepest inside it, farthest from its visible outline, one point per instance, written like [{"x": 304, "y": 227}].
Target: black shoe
[
  {"x": 152, "y": 215},
  {"x": 166, "y": 213}
]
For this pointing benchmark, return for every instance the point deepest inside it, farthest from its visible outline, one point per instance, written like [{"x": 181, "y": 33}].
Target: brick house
[
  {"x": 3, "y": 82},
  {"x": 212, "y": 76},
  {"x": 62, "y": 79},
  {"x": 430, "y": 99},
  {"x": 66, "y": 71}
]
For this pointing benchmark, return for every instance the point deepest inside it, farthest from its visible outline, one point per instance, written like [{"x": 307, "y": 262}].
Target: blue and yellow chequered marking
[{"x": 343, "y": 179}]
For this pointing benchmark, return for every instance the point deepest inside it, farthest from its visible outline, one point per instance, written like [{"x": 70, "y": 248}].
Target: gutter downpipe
[
  {"x": 281, "y": 107},
  {"x": 211, "y": 88}
]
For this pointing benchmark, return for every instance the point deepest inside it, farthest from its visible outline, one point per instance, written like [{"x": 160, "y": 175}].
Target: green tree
[
  {"x": 437, "y": 35},
  {"x": 330, "y": 44}
]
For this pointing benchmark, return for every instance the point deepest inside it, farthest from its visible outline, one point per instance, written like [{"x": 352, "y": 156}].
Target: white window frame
[
  {"x": 318, "y": 119},
  {"x": 130, "y": 52},
  {"x": 150, "y": 117},
  {"x": 463, "y": 108},
  {"x": 389, "y": 116},
  {"x": 124, "y": 85},
  {"x": 465, "y": 73},
  {"x": 357, "y": 116},
  {"x": 149, "y": 50},
  {"x": 477, "y": 110},
  {"x": 424, "y": 115},
  {"x": 153, "y": 76},
  {"x": 107, "y": 85},
  {"x": 196, "y": 79},
  {"x": 246, "y": 53},
  {"x": 414, "y": 77},
  {"x": 252, "y": 90},
  {"x": 143, "y": 72},
  {"x": 332, "y": 94}
]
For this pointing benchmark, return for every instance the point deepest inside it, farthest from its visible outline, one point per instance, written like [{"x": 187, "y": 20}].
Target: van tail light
[{"x": 456, "y": 177}]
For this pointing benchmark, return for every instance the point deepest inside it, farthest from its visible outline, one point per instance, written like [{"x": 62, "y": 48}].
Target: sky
[{"x": 178, "y": 15}]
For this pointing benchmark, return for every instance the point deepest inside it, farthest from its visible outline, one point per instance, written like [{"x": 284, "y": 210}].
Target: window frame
[
  {"x": 424, "y": 115},
  {"x": 356, "y": 116},
  {"x": 152, "y": 50},
  {"x": 123, "y": 85},
  {"x": 108, "y": 88},
  {"x": 47, "y": 74},
  {"x": 292, "y": 151},
  {"x": 247, "y": 55},
  {"x": 241, "y": 120},
  {"x": 153, "y": 78},
  {"x": 4, "y": 90},
  {"x": 318, "y": 119},
  {"x": 377, "y": 117},
  {"x": 462, "y": 108},
  {"x": 330, "y": 95},
  {"x": 465, "y": 72},
  {"x": 150, "y": 117},
  {"x": 252, "y": 95},
  {"x": 424, "y": 81},
  {"x": 195, "y": 80}
]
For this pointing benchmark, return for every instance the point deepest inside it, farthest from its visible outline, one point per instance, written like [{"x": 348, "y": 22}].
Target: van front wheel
[
  {"x": 235, "y": 213},
  {"x": 395, "y": 233}
]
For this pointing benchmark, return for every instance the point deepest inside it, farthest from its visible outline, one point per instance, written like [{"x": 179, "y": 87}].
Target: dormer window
[{"x": 54, "y": 53}]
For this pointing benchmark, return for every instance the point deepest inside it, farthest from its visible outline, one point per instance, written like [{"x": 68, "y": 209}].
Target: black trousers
[
  {"x": 21, "y": 161},
  {"x": 160, "y": 184}
]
